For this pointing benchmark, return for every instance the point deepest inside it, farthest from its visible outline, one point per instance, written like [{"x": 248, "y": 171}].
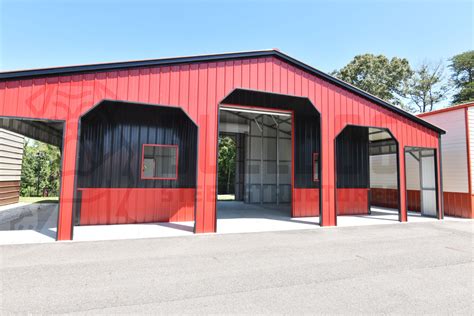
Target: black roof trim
[{"x": 24, "y": 74}]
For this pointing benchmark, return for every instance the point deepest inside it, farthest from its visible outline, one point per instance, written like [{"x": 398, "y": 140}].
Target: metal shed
[
  {"x": 331, "y": 121},
  {"x": 458, "y": 166}
]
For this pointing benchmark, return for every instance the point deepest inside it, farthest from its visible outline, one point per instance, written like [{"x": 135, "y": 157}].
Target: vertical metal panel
[
  {"x": 352, "y": 201},
  {"x": 112, "y": 137},
  {"x": 352, "y": 157},
  {"x": 384, "y": 197},
  {"x": 455, "y": 149},
  {"x": 102, "y": 206}
]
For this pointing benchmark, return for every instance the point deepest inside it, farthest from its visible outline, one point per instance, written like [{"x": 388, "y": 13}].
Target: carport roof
[{"x": 23, "y": 74}]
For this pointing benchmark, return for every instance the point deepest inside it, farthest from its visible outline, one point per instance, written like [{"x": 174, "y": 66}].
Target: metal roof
[
  {"x": 23, "y": 74},
  {"x": 447, "y": 109}
]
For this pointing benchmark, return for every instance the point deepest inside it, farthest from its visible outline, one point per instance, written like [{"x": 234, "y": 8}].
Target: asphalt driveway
[{"x": 404, "y": 268}]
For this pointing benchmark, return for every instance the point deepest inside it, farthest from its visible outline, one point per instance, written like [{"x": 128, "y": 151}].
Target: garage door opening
[
  {"x": 30, "y": 179},
  {"x": 421, "y": 177},
  {"x": 367, "y": 174},
  {"x": 254, "y": 166},
  {"x": 228, "y": 183}
]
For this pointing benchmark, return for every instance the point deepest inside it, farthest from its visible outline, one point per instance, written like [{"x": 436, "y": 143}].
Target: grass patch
[{"x": 29, "y": 199}]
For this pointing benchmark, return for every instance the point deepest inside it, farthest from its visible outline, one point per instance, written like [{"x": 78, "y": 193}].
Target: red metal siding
[
  {"x": 414, "y": 200},
  {"x": 127, "y": 206},
  {"x": 352, "y": 201},
  {"x": 198, "y": 88},
  {"x": 305, "y": 202},
  {"x": 458, "y": 204},
  {"x": 384, "y": 197}
]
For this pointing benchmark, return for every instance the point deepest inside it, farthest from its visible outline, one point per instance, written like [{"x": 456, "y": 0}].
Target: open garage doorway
[
  {"x": 254, "y": 167},
  {"x": 367, "y": 175},
  {"x": 30, "y": 179},
  {"x": 421, "y": 179}
]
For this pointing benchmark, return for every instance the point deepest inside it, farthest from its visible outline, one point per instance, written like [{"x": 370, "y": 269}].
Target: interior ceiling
[
  {"x": 284, "y": 122},
  {"x": 45, "y": 131},
  {"x": 378, "y": 134}
]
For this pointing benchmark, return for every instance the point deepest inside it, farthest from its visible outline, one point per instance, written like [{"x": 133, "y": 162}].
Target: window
[
  {"x": 160, "y": 162},
  {"x": 315, "y": 167}
]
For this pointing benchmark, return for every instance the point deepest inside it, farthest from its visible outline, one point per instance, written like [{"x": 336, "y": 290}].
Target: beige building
[{"x": 11, "y": 154}]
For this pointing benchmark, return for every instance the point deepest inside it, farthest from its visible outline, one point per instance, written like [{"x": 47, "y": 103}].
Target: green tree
[
  {"x": 462, "y": 66},
  {"x": 40, "y": 169},
  {"x": 226, "y": 163},
  {"x": 378, "y": 75},
  {"x": 426, "y": 87}
]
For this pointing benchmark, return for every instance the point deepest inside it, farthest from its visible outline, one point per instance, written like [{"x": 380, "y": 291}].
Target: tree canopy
[
  {"x": 420, "y": 90},
  {"x": 377, "y": 75},
  {"x": 40, "y": 170},
  {"x": 426, "y": 87},
  {"x": 462, "y": 66}
]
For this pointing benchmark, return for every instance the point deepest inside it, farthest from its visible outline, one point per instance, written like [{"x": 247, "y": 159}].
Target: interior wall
[
  {"x": 383, "y": 181},
  {"x": 383, "y": 171},
  {"x": 261, "y": 182}
]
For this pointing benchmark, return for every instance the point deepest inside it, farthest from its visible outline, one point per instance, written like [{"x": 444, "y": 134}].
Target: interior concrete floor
[
  {"x": 239, "y": 217},
  {"x": 36, "y": 223},
  {"x": 25, "y": 223},
  {"x": 379, "y": 216}
]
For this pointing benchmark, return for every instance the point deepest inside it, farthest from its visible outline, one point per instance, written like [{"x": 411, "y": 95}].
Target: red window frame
[
  {"x": 315, "y": 158},
  {"x": 143, "y": 161}
]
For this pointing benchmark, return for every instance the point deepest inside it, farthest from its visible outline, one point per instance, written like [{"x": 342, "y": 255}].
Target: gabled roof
[{"x": 68, "y": 70}]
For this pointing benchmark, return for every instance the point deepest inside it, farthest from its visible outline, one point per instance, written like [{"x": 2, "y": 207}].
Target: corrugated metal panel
[
  {"x": 198, "y": 88},
  {"x": 305, "y": 202},
  {"x": 384, "y": 197},
  {"x": 412, "y": 173},
  {"x": 383, "y": 171},
  {"x": 352, "y": 157},
  {"x": 101, "y": 206},
  {"x": 47, "y": 132},
  {"x": 458, "y": 204},
  {"x": 261, "y": 162},
  {"x": 352, "y": 201},
  {"x": 112, "y": 139},
  {"x": 455, "y": 165},
  {"x": 11, "y": 155},
  {"x": 470, "y": 116}
]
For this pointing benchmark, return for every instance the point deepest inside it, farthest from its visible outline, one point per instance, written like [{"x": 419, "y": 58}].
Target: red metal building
[{"x": 112, "y": 117}]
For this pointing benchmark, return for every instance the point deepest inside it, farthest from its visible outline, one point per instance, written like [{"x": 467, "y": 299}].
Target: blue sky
[{"x": 324, "y": 34}]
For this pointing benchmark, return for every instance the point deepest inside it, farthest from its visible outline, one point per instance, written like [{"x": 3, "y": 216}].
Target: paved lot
[{"x": 404, "y": 268}]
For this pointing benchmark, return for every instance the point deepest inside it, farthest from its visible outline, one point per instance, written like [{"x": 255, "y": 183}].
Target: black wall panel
[
  {"x": 307, "y": 142},
  {"x": 352, "y": 158},
  {"x": 111, "y": 141},
  {"x": 307, "y": 132}
]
